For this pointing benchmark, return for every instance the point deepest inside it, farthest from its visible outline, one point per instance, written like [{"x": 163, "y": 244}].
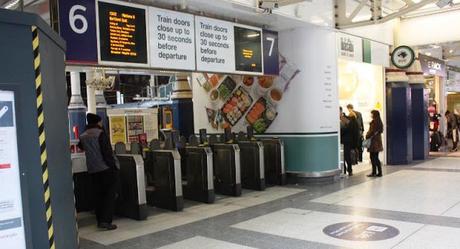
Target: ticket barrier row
[{"x": 165, "y": 177}]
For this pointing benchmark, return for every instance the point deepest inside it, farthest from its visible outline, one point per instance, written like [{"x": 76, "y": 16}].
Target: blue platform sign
[
  {"x": 271, "y": 53},
  {"x": 77, "y": 25}
]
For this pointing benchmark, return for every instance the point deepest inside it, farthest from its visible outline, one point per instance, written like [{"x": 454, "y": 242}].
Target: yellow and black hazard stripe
[{"x": 42, "y": 136}]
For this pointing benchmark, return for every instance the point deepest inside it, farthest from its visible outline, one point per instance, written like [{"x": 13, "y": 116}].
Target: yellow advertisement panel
[{"x": 117, "y": 129}]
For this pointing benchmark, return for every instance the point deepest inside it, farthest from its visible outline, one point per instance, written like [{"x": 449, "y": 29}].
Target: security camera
[{"x": 268, "y": 4}]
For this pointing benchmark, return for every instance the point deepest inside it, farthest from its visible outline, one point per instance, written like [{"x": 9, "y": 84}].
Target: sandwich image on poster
[{"x": 248, "y": 50}]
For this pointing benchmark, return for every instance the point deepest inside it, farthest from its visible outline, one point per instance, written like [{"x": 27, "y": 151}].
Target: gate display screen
[
  {"x": 122, "y": 33},
  {"x": 248, "y": 50}
]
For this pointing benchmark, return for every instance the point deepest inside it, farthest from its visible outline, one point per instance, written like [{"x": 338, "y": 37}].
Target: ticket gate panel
[
  {"x": 132, "y": 199},
  {"x": 199, "y": 176},
  {"x": 164, "y": 170},
  {"x": 252, "y": 165},
  {"x": 275, "y": 171},
  {"x": 227, "y": 169}
]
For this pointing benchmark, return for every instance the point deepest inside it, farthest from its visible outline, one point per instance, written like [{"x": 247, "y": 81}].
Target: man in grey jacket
[{"x": 103, "y": 168}]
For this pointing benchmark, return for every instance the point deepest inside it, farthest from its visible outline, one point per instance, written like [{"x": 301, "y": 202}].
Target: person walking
[
  {"x": 349, "y": 130},
  {"x": 452, "y": 129},
  {"x": 103, "y": 167},
  {"x": 376, "y": 145},
  {"x": 359, "y": 118}
]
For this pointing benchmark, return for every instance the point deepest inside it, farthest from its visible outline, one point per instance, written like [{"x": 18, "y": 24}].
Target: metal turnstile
[
  {"x": 227, "y": 169},
  {"x": 132, "y": 202},
  {"x": 275, "y": 171},
  {"x": 198, "y": 174},
  {"x": 252, "y": 165},
  {"x": 164, "y": 179}
]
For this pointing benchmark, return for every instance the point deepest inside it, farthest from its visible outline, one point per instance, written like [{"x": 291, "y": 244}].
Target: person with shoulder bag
[{"x": 374, "y": 143}]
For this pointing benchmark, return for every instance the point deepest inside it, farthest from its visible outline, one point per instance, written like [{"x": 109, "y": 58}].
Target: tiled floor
[{"x": 421, "y": 202}]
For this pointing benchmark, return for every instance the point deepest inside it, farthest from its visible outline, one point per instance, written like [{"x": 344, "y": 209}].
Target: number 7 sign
[
  {"x": 77, "y": 25},
  {"x": 271, "y": 54}
]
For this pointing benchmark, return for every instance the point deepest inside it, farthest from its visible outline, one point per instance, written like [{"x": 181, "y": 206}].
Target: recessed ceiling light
[
  {"x": 435, "y": 46},
  {"x": 428, "y": 53},
  {"x": 451, "y": 51}
]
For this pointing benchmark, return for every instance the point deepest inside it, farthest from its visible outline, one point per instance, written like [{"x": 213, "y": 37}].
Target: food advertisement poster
[
  {"x": 240, "y": 101},
  {"x": 12, "y": 233},
  {"x": 302, "y": 99},
  {"x": 117, "y": 129}
]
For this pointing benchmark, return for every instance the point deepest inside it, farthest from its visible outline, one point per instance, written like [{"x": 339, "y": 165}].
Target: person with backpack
[{"x": 452, "y": 129}]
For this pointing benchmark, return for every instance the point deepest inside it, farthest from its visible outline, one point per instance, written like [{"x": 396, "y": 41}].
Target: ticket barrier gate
[
  {"x": 275, "y": 171},
  {"x": 227, "y": 169},
  {"x": 252, "y": 165},
  {"x": 198, "y": 174},
  {"x": 131, "y": 202},
  {"x": 164, "y": 179}
]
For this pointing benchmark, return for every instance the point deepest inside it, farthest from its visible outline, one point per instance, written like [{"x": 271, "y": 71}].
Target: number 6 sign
[{"x": 77, "y": 25}]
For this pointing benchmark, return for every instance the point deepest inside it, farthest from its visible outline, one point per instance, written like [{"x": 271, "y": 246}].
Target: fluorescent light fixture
[
  {"x": 253, "y": 35},
  {"x": 428, "y": 53},
  {"x": 435, "y": 46}
]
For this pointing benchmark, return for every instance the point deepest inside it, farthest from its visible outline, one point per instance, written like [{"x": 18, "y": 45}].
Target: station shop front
[{"x": 361, "y": 81}]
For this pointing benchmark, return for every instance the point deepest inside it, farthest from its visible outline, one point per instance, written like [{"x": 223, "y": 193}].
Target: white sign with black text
[
  {"x": 172, "y": 39},
  {"x": 11, "y": 216},
  {"x": 349, "y": 47},
  {"x": 215, "y": 48}
]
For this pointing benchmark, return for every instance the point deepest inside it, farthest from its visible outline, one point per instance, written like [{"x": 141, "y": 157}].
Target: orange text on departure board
[{"x": 122, "y": 28}]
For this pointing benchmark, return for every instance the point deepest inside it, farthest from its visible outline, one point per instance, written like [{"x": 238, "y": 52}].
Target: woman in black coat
[
  {"x": 375, "y": 134},
  {"x": 350, "y": 135}
]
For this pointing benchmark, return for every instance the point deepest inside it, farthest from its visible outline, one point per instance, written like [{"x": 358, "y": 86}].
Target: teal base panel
[{"x": 313, "y": 154}]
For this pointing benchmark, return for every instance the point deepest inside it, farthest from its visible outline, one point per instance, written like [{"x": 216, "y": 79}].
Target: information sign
[
  {"x": 172, "y": 39},
  {"x": 248, "y": 50},
  {"x": 12, "y": 233},
  {"x": 77, "y": 25},
  {"x": 122, "y": 33},
  {"x": 271, "y": 53},
  {"x": 215, "y": 48}
]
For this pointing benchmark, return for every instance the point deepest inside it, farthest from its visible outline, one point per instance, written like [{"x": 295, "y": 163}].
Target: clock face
[{"x": 403, "y": 57}]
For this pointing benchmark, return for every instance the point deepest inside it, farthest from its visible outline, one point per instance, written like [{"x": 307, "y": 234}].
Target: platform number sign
[
  {"x": 78, "y": 19},
  {"x": 271, "y": 54},
  {"x": 77, "y": 25}
]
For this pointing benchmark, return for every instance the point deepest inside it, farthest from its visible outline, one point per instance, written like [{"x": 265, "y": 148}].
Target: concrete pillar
[
  {"x": 181, "y": 87},
  {"x": 90, "y": 92},
  {"x": 76, "y": 101}
]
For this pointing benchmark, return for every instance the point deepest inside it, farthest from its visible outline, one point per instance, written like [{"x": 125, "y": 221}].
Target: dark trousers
[
  {"x": 360, "y": 149},
  {"x": 105, "y": 189},
  {"x": 376, "y": 164},
  {"x": 347, "y": 162}
]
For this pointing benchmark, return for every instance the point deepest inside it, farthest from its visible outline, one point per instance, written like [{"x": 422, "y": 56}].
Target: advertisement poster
[
  {"x": 12, "y": 233},
  {"x": 215, "y": 48},
  {"x": 172, "y": 39},
  {"x": 117, "y": 129}
]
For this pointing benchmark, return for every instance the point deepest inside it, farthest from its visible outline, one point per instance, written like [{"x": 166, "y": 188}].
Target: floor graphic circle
[{"x": 361, "y": 231}]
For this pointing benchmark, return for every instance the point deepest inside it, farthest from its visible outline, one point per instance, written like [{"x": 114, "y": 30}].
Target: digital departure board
[
  {"x": 248, "y": 50},
  {"x": 122, "y": 33}
]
